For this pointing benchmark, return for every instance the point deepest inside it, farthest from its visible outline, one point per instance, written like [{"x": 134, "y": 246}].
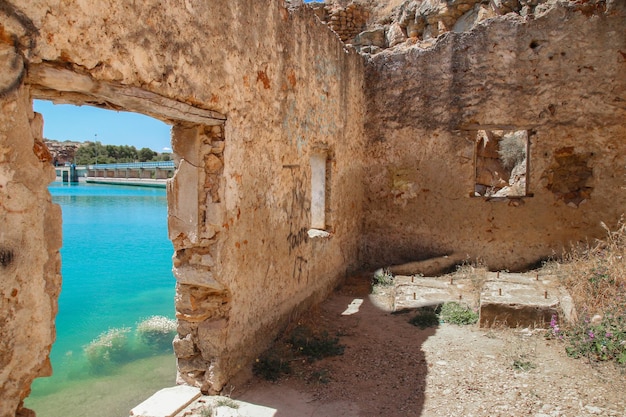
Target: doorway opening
[{"x": 116, "y": 320}]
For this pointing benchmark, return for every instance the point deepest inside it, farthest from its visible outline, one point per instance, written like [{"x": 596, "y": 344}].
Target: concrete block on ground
[
  {"x": 417, "y": 296},
  {"x": 517, "y": 304},
  {"x": 167, "y": 402}
]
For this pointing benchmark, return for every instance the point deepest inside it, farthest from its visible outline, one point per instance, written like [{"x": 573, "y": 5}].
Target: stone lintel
[{"x": 66, "y": 86}]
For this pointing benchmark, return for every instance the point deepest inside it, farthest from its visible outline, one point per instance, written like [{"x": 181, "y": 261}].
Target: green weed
[
  {"x": 206, "y": 411},
  {"x": 456, "y": 313},
  {"x": 523, "y": 364},
  {"x": 270, "y": 366},
  {"x": 382, "y": 277},
  {"x": 226, "y": 402},
  {"x": 313, "y": 346}
]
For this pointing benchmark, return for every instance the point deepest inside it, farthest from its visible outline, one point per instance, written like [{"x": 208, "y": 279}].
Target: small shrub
[
  {"x": 475, "y": 272},
  {"x": 206, "y": 411},
  {"x": 382, "y": 277},
  {"x": 315, "y": 346},
  {"x": 226, "y": 402},
  {"x": 598, "y": 340},
  {"x": 108, "y": 348},
  {"x": 523, "y": 363},
  {"x": 425, "y": 318},
  {"x": 157, "y": 332},
  {"x": 456, "y": 313},
  {"x": 321, "y": 377},
  {"x": 271, "y": 366},
  {"x": 512, "y": 148},
  {"x": 595, "y": 276}
]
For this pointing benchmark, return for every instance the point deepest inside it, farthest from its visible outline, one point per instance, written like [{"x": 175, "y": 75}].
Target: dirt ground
[{"x": 392, "y": 368}]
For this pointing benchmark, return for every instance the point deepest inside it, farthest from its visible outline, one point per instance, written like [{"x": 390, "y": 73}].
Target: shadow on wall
[{"x": 382, "y": 370}]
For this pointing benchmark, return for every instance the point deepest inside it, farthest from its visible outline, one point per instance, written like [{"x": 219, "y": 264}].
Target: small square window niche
[{"x": 501, "y": 163}]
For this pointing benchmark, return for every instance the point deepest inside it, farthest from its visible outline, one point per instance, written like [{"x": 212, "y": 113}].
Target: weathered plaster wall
[
  {"x": 239, "y": 203},
  {"x": 30, "y": 239},
  {"x": 562, "y": 76}
]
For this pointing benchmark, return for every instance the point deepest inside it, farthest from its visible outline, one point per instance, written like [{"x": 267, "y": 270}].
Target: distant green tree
[
  {"x": 96, "y": 152},
  {"x": 146, "y": 154},
  {"x": 128, "y": 153},
  {"x": 93, "y": 152},
  {"x": 164, "y": 157}
]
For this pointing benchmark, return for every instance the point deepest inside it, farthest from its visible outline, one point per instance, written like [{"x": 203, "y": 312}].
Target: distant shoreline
[{"x": 137, "y": 182}]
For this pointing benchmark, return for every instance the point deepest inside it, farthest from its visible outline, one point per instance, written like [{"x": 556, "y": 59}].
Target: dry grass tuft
[
  {"x": 595, "y": 274},
  {"x": 595, "y": 277},
  {"x": 476, "y": 272}
]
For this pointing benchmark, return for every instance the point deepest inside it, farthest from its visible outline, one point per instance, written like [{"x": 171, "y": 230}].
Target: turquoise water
[{"x": 116, "y": 267}]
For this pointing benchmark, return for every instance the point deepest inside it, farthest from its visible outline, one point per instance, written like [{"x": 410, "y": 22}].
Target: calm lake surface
[{"x": 116, "y": 266}]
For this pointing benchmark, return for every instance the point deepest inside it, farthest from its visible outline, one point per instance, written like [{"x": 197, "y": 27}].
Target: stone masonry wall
[
  {"x": 561, "y": 77},
  {"x": 252, "y": 90},
  {"x": 30, "y": 239}
]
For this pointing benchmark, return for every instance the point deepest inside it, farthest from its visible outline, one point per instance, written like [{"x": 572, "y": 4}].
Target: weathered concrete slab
[
  {"x": 167, "y": 402},
  {"x": 415, "y": 296},
  {"x": 530, "y": 304},
  {"x": 510, "y": 299},
  {"x": 416, "y": 291}
]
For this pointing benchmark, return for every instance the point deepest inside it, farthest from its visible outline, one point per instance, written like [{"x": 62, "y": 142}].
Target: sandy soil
[{"x": 391, "y": 368}]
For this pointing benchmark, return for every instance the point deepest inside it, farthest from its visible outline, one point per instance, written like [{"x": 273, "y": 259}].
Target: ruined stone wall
[
  {"x": 252, "y": 90},
  {"x": 560, "y": 76},
  {"x": 30, "y": 239}
]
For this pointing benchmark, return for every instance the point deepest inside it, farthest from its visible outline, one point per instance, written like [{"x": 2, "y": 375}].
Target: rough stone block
[
  {"x": 186, "y": 143},
  {"x": 184, "y": 348},
  {"x": 182, "y": 199},
  {"x": 195, "y": 276},
  {"x": 516, "y": 304}
]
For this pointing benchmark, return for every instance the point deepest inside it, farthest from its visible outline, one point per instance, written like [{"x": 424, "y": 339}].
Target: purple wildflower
[{"x": 591, "y": 335}]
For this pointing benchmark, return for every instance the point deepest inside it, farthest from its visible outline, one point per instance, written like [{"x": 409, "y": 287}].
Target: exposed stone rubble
[
  {"x": 202, "y": 301},
  {"x": 347, "y": 22},
  {"x": 420, "y": 22},
  {"x": 62, "y": 152},
  {"x": 570, "y": 177}
]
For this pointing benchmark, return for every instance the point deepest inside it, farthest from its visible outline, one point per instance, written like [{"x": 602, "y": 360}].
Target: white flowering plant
[
  {"x": 157, "y": 332},
  {"x": 109, "y": 347}
]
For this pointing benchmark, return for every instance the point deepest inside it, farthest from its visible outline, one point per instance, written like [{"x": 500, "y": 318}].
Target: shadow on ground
[{"x": 381, "y": 372}]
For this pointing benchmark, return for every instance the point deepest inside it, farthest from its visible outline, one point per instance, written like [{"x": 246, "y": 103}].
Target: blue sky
[{"x": 83, "y": 123}]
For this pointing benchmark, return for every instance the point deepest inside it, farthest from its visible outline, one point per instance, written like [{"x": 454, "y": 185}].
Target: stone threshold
[{"x": 187, "y": 401}]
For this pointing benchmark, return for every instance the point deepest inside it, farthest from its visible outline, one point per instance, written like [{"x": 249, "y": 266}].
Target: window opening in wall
[
  {"x": 115, "y": 321},
  {"x": 318, "y": 190},
  {"x": 501, "y": 167}
]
